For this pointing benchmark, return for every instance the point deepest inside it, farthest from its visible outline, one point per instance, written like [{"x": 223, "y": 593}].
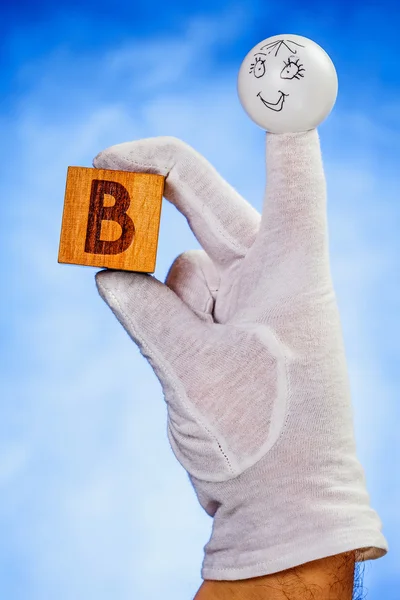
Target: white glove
[{"x": 245, "y": 339}]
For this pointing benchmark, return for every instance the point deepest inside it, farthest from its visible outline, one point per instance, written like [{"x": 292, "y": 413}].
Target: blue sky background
[{"x": 93, "y": 502}]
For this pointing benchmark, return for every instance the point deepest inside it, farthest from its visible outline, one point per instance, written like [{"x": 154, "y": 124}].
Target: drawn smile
[{"x": 277, "y": 106}]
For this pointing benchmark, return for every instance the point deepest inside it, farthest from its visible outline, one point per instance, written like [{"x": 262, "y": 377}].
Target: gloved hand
[{"x": 245, "y": 339}]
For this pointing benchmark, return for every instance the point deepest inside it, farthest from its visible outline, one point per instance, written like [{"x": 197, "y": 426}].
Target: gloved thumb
[{"x": 158, "y": 321}]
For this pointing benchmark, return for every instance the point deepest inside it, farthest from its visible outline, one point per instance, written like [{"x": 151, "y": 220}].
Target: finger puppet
[{"x": 287, "y": 84}]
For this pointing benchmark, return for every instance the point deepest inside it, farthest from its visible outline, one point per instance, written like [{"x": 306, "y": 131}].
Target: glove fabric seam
[{"x": 168, "y": 370}]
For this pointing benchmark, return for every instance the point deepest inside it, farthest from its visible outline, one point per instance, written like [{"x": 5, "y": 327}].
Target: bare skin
[{"x": 330, "y": 578}]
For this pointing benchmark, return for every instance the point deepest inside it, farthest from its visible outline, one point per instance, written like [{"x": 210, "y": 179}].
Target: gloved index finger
[{"x": 224, "y": 223}]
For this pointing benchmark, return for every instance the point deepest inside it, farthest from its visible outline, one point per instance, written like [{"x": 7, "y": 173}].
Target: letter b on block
[
  {"x": 98, "y": 213},
  {"x": 133, "y": 217}
]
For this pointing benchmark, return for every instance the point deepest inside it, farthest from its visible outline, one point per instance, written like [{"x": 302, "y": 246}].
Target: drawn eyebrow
[{"x": 278, "y": 45}]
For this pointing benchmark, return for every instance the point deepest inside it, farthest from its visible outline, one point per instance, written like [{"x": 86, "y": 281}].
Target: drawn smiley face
[{"x": 287, "y": 83}]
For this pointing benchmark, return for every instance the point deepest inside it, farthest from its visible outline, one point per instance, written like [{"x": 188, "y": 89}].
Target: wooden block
[{"x": 111, "y": 219}]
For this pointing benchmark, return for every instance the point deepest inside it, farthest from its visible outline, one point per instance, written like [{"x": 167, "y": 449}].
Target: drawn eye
[
  {"x": 258, "y": 67},
  {"x": 292, "y": 69}
]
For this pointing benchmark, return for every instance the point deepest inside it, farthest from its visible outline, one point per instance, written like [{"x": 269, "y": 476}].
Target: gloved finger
[
  {"x": 157, "y": 320},
  {"x": 224, "y": 223},
  {"x": 291, "y": 249},
  {"x": 194, "y": 278}
]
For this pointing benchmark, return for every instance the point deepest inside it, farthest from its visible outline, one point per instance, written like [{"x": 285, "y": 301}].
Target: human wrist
[{"x": 329, "y": 578}]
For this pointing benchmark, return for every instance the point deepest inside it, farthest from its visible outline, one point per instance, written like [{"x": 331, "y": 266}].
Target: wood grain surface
[{"x": 111, "y": 219}]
